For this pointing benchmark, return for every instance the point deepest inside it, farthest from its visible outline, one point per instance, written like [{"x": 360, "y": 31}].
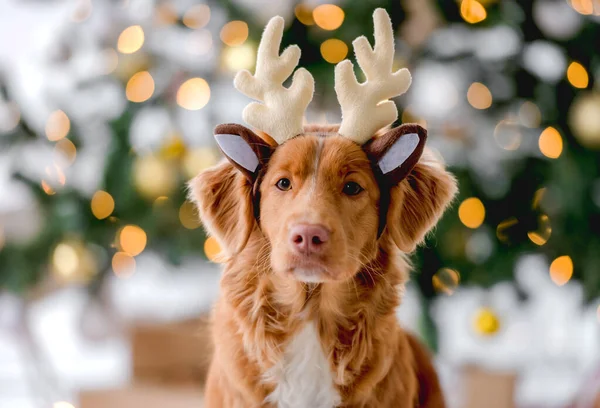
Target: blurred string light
[
  {"x": 57, "y": 126},
  {"x": 479, "y": 96},
  {"x": 538, "y": 196},
  {"x": 65, "y": 152},
  {"x": 304, "y": 14},
  {"x": 503, "y": 229},
  {"x": 56, "y": 175},
  {"x": 584, "y": 119},
  {"x": 542, "y": 234},
  {"x": 131, "y": 40},
  {"x": 238, "y": 58},
  {"x": 72, "y": 261},
  {"x": 62, "y": 404},
  {"x": 197, "y": 16},
  {"x": 10, "y": 115},
  {"x": 486, "y": 322},
  {"x": 472, "y": 11},
  {"x": 530, "y": 115},
  {"x": 507, "y": 134},
  {"x": 193, "y": 94},
  {"x": 446, "y": 281},
  {"x": 212, "y": 249},
  {"x": 577, "y": 75},
  {"x": 550, "y": 143},
  {"x": 47, "y": 188},
  {"x": 123, "y": 264},
  {"x": 334, "y": 50},
  {"x": 328, "y": 16},
  {"x": 561, "y": 270},
  {"x": 82, "y": 11},
  {"x": 234, "y": 33},
  {"x": 188, "y": 216},
  {"x": 102, "y": 205},
  {"x": 140, "y": 87},
  {"x": 586, "y": 7},
  {"x": 471, "y": 212},
  {"x": 196, "y": 160},
  {"x": 165, "y": 14},
  {"x": 160, "y": 202},
  {"x": 132, "y": 239},
  {"x": 154, "y": 177}
]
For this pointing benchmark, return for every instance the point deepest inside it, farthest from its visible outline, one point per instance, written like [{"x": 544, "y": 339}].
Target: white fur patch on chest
[{"x": 303, "y": 376}]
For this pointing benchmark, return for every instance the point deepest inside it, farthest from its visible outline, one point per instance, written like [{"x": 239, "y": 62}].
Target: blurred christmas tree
[{"x": 128, "y": 94}]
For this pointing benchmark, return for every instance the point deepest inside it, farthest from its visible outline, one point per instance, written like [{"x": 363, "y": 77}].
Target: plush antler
[
  {"x": 281, "y": 113},
  {"x": 365, "y": 107}
]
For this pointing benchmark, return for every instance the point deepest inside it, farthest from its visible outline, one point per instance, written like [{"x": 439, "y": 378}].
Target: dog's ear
[
  {"x": 243, "y": 148},
  {"x": 418, "y": 188},
  {"x": 223, "y": 196}
]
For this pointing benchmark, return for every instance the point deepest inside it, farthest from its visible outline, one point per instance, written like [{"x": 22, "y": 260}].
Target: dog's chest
[{"x": 303, "y": 377}]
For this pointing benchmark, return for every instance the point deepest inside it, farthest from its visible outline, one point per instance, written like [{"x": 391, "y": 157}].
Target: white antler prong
[
  {"x": 366, "y": 107},
  {"x": 282, "y": 109}
]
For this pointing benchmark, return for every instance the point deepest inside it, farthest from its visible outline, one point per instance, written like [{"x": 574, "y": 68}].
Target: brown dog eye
[
  {"x": 352, "y": 188},
  {"x": 284, "y": 184}
]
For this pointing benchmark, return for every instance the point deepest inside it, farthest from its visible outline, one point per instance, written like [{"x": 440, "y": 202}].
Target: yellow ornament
[
  {"x": 584, "y": 119},
  {"x": 73, "y": 262},
  {"x": 486, "y": 322},
  {"x": 154, "y": 177}
]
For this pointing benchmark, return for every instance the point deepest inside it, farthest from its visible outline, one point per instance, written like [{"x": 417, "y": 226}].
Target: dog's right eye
[{"x": 284, "y": 184}]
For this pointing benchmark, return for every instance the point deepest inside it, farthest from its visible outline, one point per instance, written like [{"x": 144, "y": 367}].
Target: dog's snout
[{"x": 309, "y": 238}]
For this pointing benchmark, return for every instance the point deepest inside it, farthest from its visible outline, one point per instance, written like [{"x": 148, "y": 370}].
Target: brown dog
[{"x": 315, "y": 225}]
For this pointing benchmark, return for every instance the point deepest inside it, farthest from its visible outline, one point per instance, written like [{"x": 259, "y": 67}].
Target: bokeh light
[
  {"x": 188, "y": 216},
  {"x": 486, "y": 322},
  {"x": 334, "y": 50},
  {"x": 507, "y": 134},
  {"x": 102, "y": 204},
  {"x": 57, "y": 126},
  {"x": 65, "y": 260},
  {"x": 561, "y": 270},
  {"x": 530, "y": 115},
  {"x": 140, "y": 87},
  {"x": 196, "y": 160},
  {"x": 471, "y": 212},
  {"x": 132, "y": 239},
  {"x": 234, "y": 33},
  {"x": 304, "y": 14},
  {"x": 123, "y": 264},
  {"x": 577, "y": 75},
  {"x": 193, "y": 94},
  {"x": 62, "y": 404},
  {"x": 585, "y": 7},
  {"x": 328, "y": 16},
  {"x": 130, "y": 40},
  {"x": 472, "y": 11},
  {"x": 47, "y": 188},
  {"x": 550, "y": 143},
  {"x": 237, "y": 58},
  {"x": 584, "y": 120},
  {"x": 446, "y": 280},
  {"x": 212, "y": 249},
  {"x": 197, "y": 16},
  {"x": 542, "y": 234},
  {"x": 65, "y": 151},
  {"x": 479, "y": 96},
  {"x": 154, "y": 177}
]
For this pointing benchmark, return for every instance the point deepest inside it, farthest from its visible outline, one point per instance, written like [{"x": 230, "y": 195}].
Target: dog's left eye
[{"x": 351, "y": 188}]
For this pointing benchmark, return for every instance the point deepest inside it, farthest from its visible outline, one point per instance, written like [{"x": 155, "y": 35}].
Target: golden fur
[{"x": 373, "y": 362}]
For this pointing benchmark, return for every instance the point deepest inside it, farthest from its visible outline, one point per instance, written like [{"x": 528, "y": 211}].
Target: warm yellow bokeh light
[
  {"x": 472, "y": 11},
  {"x": 486, "y": 322},
  {"x": 577, "y": 75},
  {"x": 193, "y": 94},
  {"x": 197, "y": 16},
  {"x": 165, "y": 14},
  {"x": 471, "y": 212},
  {"x": 238, "y": 58},
  {"x": 197, "y": 160},
  {"x": 585, "y": 7},
  {"x": 212, "y": 249},
  {"x": 304, "y": 14},
  {"x": 188, "y": 216},
  {"x": 62, "y": 404},
  {"x": 102, "y": 205},
  {"x": 234, "y": 33},
  {"x": 543, "y": 232},
  {"x": 47, "y": 188},
  {"x": 131, "y": 39},
  {"x": 57, "y": 126},
  {"x": 530, "y": 115},
  {"x": 132, "y": 239},
  {"x": 507, "y": 134},
  {"x": 65, "y": 151},
  {"x": 504, "y": 228},
  {"x": 446, "y": 281},
  {"x": 154, "y": 177},
  {"x": 334, "y": 50},
  {"x": 479, "y": 96},
  {"x": 561, "y": 270},
  {"x": 65, "y": 261},
  {"x": 550, "y": 143},
  {"x": 328, "y": 16},
  {"x": 140, "y": 87},
  {"x": 123, "y": 264}
]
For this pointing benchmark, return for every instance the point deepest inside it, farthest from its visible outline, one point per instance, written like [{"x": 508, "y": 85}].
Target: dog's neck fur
[{"x": 354, "y": 319}]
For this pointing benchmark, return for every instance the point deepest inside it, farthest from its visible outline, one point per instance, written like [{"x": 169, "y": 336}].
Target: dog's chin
[{"x": 310, "y": 275}]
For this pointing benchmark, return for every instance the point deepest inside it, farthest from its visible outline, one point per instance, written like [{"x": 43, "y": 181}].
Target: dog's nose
[{"x": 309, "y": 238}]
